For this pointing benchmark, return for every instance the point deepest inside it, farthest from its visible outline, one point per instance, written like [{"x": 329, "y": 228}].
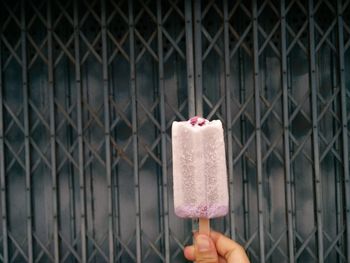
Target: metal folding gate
[{"x": 88, "y": 93}]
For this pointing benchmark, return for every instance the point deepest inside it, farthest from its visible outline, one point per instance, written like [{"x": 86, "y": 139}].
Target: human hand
[{"x": 215, "y": 248}]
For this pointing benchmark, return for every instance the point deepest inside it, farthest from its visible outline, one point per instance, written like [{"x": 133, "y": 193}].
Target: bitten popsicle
[{"x": 199, "y": 169}]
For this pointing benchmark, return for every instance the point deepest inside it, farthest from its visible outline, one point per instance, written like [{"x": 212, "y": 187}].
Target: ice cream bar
[{"x": 199, "y": 169}]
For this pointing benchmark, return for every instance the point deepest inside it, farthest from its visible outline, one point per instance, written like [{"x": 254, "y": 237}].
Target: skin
[{"x": 215, "y": 248}]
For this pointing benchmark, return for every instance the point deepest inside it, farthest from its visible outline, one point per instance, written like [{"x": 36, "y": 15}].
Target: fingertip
[{"x": 189, "y": 253}]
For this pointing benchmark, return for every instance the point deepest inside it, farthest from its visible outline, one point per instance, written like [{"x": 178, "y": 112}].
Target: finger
[
  {"x": 229, "y": 249},
  {"x": 205, "y": 250},
  {"x": 189, "y": 253}
]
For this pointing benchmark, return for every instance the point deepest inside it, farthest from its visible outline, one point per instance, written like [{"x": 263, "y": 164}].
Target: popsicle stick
[{"x": 204, "y": 226}]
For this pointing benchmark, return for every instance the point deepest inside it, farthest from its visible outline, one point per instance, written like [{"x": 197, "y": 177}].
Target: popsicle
[{"x": 199, "y": 169}]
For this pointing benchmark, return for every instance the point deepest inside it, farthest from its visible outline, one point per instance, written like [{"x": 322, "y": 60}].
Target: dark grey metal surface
[{"x": 88, "y": 93}]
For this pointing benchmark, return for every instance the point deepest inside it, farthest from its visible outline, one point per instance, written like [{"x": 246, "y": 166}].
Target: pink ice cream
[{"x": 199, "y": 169}]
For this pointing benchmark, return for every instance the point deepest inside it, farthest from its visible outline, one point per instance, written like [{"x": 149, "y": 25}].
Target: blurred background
[{"x": 88, "y": 93}]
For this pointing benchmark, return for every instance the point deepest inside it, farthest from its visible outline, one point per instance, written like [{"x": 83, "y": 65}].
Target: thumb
[{"x": 205, "y": 250}]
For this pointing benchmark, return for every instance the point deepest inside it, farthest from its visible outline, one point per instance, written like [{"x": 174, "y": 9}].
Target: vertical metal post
[
  {"x": 198, "y": 57},
  {"x": 244, "y": 161},
  {"x": 3, "y": 194},
  {"x": 71, "y": 179},
  {"x": 115, "y": 182},
  {"x": 345, "y": 128},
  {"x": 288, "y": 191},
  {"x": 337, "y": 147},
  {"x": 229, "y": 118},
  {"x": 134, "y": 130},
  {"x": 165, "y": 198},
  {"x": 52, "y": 132},
  {"x": 189, "y": 59},
  {"x": 80, "y": 134},
  {"x": 258, "y": 132},
  {"x": 291, "y": 150},
  {"x": 107, "y": 130},
  {"x": 26, "y": 132},
  {"x": 316, "y": 159},
  {"x": 243, "y": 130}
]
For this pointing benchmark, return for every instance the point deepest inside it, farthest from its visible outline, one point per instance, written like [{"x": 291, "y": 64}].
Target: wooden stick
[{"x": 204, "y": 226}]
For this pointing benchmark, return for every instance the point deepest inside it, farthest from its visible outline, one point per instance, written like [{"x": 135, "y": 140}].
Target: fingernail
[{"x": 203, "y": 243}]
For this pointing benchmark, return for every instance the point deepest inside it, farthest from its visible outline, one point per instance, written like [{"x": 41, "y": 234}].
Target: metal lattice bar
[
  {"x": 189, "y": 59},
  {"x": 134, "y": 130},
  {"x": 290, "y": 230},
  {"x": 292, "y": 174},
  {"x": 52, "y": 133},
  {"x": 198, "y": 57},
  {"x": 107, "y": 130},
  {"x": 26, "y": 134},
  {"x": 258, "y": 133},
  {"x": 243, "y": 123},
  {"x": 5, "y": 251},
  {"x": 344, "y": 122},
  {"x": 83, "y": 231},
  {"x": 315, "y": 131},
  {"x": 164, "y": 158}
]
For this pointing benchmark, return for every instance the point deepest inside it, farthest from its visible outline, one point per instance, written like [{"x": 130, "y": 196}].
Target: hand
[{"x": 215, "y": 248}]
